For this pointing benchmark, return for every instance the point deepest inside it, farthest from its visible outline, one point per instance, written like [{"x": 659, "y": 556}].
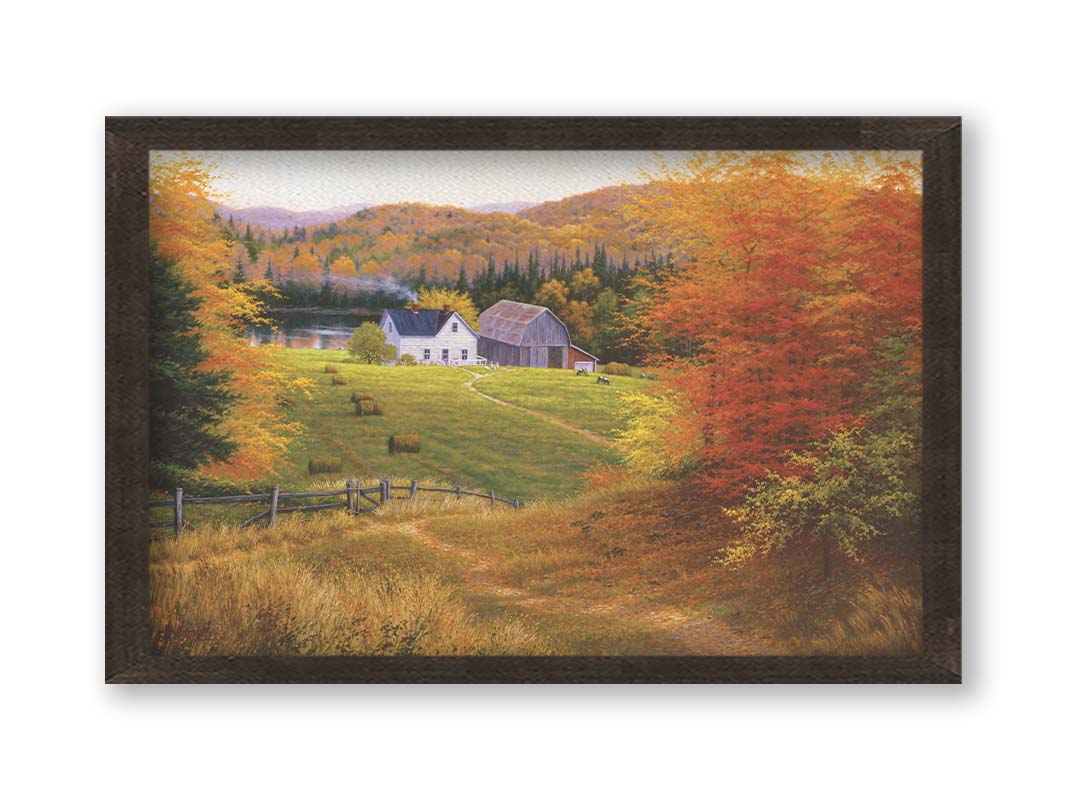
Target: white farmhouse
[{"x": 432, "y": 336}]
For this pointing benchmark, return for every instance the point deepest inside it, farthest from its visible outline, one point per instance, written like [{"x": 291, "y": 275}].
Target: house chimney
[
  {"x": 447, "y": 309},
  {"x": 415, "y": 307}
]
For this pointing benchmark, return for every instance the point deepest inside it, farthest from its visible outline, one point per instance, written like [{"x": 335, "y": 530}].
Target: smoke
[{"x": 386, "y": 284}]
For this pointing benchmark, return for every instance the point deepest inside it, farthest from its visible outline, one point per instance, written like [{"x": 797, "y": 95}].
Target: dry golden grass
[
  {"x": 223, "y": 591},
  {"x": 881, "y": 621},
  {"x": 443, "y": 574},
  {"x": 640, "y": 541}
]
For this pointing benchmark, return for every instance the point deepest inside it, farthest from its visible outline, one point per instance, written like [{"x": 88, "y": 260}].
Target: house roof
[
  {"x": 506, "y": 320},
  {"x": 424, "y": 322}
]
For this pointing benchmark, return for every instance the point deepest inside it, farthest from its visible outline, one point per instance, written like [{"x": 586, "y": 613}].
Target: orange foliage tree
[
  {"x": 792, "y": 273},
  {"x": 182, "y": 226}
]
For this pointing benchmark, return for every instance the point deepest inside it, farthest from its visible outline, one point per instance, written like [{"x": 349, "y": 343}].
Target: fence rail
[{"x": 359, "y": 499}]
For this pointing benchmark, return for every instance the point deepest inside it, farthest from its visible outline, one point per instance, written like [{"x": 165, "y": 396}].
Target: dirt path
[
  {"x": 693, "y": 634},
  {"x": 475, "y": 377}
]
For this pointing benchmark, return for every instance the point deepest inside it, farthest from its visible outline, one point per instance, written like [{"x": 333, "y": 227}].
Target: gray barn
[{"x": 522, "y": 335}]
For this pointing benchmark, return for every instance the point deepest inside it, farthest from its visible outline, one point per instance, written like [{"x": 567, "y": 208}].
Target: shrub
[
  {"x": 330, "y": 464},
  {"x": 405, "y": 443},
  {"x": 339, "y": 380},
  {"x": 844, "y": 491},
  {"x": 360, "y": 396},
  {"x": 407, "y": 360},
  {"x": 370, "y": 408},
  {"x": 616, "y": 368},
  {"x": 332, "y": 368}
]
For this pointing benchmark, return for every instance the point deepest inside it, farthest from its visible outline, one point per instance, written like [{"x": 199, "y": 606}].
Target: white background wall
[{"x": 999, "y": 735}]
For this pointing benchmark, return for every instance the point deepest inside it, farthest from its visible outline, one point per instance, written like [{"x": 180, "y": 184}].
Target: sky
[{"x": 315, "y": 180}]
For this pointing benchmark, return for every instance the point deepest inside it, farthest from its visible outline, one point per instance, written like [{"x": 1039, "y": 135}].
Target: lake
[{"x": 306, "y": 331}]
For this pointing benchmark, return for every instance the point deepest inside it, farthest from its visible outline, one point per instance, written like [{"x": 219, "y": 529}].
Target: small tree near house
[{"x": 368, "y": 344}]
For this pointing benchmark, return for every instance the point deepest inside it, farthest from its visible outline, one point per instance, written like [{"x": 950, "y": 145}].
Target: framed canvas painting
[{"x": 533, "y": 400}]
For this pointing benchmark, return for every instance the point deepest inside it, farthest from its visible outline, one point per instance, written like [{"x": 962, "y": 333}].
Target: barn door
[{"x": 555, "y": 358}]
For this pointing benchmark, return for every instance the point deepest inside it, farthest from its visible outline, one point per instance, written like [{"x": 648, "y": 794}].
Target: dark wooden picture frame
[{"x": 128, "y": 654}]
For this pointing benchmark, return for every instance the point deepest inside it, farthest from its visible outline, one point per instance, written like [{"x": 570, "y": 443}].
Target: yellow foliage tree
[
  {"x": 343, "y": 267},
  {"x": 578, "y": 317},
  {"x": 657, "y": 438},
  {"x": 307, "y": 263},
  {"x": 182, "y": 206},
  {"x": 552, "y": 294},
  {"x": 460, "y": 302},
  {"x": 584, "y": 284}
]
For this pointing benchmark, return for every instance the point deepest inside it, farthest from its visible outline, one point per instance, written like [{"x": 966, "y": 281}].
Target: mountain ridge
[{"x": 278, "y": 217}]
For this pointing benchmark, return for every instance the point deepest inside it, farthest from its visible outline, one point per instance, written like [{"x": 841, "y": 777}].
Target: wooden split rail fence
[{"x": 357, "y": 500}]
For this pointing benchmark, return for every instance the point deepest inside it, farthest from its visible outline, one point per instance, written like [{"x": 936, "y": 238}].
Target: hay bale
[
  {"x": 339, "y": 380},
  {"x": 404, "y": 443},
  {"x": 370, "y": 408},
  {"x": 616, "y": 368},
  {"x": 358, "y": 397},
  {"x": 332, "y": 368},
  {"x": 328, "y": 464}
]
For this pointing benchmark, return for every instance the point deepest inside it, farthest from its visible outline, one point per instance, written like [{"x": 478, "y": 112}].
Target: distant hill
[
  {"x": 514, "y": 207},
  {"x": 279, "y": 218},
  {"x": 597, "y": 208},
  {"x": 418, "y": 241}
]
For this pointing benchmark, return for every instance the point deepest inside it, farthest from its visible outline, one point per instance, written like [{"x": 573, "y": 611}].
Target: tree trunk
[{"x": 827, "y": 567}]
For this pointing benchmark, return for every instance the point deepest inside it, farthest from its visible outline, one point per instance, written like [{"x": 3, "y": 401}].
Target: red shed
[{"x": 577, "y": 358}]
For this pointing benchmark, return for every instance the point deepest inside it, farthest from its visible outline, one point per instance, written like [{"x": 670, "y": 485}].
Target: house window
[
  {"x": 444, "y": 354},
  {"x": 426, "y": 354},
  {"x": 455, "y": 327},
  {"x": 462, "y": 355}
]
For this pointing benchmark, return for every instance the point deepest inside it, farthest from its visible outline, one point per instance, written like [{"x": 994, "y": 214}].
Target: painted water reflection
[{"x": 310, "y": 331}]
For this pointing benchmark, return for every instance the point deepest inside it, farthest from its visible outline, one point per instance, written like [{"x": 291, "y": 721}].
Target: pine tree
[{"x": 187, "y": 403}]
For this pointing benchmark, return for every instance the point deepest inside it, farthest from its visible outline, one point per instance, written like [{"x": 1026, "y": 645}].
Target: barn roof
[
  {"x": 506, "y": 320},
  {"x": 425, "y": 322}
]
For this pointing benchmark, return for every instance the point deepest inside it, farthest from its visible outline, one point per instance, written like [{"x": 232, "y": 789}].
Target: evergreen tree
[
  {"x": 325, "y": 293},
  {"x": 187, "y": 403}
]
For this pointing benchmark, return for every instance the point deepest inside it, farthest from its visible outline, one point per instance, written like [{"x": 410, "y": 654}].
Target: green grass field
[
  {"x": 576, "y": 399},
  {"x": 466, "y": 440}
]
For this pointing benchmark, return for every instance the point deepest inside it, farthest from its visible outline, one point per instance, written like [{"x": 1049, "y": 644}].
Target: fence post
[
  {"x": 383, "y": 490},
  {"x": 359, "y": 497},
  {"x": 414, "y": 486},
  {"x": 178, "y": 495},
  {"x": 274, "y": 505},
  {"x": 348, "y": 496},
  {"x": 459, "y": 491},
  {"x": 492, "y": 497}
]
